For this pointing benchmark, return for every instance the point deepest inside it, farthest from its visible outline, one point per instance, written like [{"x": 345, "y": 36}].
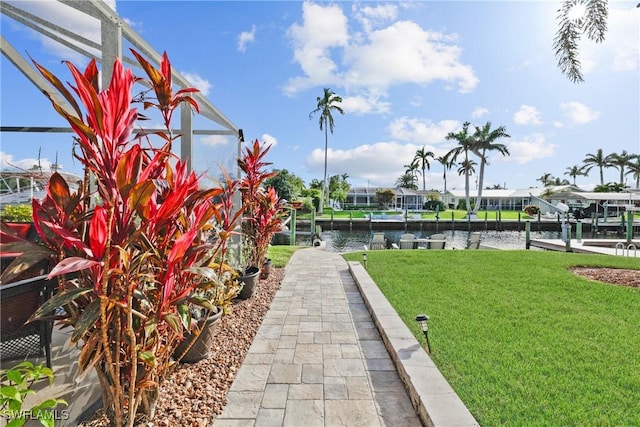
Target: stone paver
[{"x": 318, "y": 359}]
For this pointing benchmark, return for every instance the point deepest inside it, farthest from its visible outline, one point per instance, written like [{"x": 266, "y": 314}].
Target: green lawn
[
  {"x": 445, "y": 215},
  {"x": 280, "y": 254},
  {"x": 521, "y": 339}
]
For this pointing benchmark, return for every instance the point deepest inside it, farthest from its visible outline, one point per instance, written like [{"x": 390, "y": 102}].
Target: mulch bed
[
  {"x": 613, "y": 276},
  {"x": 195, "y": 393}
]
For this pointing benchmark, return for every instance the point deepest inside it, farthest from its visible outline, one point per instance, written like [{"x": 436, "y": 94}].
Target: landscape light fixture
[
  {"x": 364, "y": 260},
  {"x": 423, "y": 321}
]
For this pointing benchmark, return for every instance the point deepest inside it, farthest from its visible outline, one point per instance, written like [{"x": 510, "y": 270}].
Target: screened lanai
[{"x": 111, "y": 38}]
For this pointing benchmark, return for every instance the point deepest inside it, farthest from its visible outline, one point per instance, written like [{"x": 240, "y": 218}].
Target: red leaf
[
  {"x": 98, "y": 232},
  {"x": 70, "y": 265}
]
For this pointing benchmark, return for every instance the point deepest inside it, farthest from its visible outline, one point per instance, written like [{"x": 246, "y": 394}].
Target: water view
[{"x": 347, "y": 241}]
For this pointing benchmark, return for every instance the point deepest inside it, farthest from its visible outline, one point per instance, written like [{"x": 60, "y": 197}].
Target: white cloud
[
  {"x": 422, "y": 131},
  {"x": 479, "y": 112},
  {"x": 380, "y": 164},
  {"x": 7, "y": 162},
  {"x": 623, "y": 35},
  {"x": 322, "y": 28},
  {"x": 198, "y": 82},
  {"x": 579, "y": 113},
  {"x": 74, "y": 20},
  {"x": 246, "y": 37},
  {"x": 371, "y": 17},
  {"x": 269, "y": 140},
  {"x": 373, "y": 59},
  {"x": 406, "y": 53},
  {"x": 216, "y": 140},
  {"x": 364, "y": 105},
  {"x": 620, "y": 50},
  {"x": 527, "y": 115},
  {"x": 531, "y": 148}
]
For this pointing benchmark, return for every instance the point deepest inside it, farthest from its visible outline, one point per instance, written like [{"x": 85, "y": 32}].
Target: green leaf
[
  {"x": 148, "y": 357},
  {"x": 19, "y": 422},
  {"x": 202, "y": 302},
  {"x": 15, "y": 376},
  {"x": 86, "y": 321},
  {"x": 174, "y": 322},
  {"x": 58, "y": 300},
  {"x": 10, "y": 392},
  {"x": 149, "y": 327},
  {"x": 49, "y": 403},
  {"x": 185, "y": 316}
]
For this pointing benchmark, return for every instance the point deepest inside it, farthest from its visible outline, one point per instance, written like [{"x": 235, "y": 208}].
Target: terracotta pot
[
  {"x": 249, "y": 279},
  {"x": 202, "y": 343}
]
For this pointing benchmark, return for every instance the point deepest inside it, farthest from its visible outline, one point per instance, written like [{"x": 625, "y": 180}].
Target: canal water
[{"x": 348, "y": 241}]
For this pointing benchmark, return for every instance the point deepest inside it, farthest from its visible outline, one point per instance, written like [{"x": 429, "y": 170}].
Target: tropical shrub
[
  {"x": 263, "y": 208},
  {"x": 130, "y": 266},
  {"x": 17, "y": 213}
]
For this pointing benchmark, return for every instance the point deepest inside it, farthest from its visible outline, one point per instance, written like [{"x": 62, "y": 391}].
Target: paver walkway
[{"x": 317, "y": 359}]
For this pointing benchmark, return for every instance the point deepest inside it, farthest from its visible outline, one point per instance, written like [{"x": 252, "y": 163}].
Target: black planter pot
[
  {"x": 265, "y": 271},
  {"x": 249, "y": 279},
  {"x": 201, "y": 343}
]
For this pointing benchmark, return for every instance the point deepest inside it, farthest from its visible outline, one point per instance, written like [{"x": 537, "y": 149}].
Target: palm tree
[
  {"x": 467, "y": 167},
  {"x": 570, "y": 30},
  {"x": 407, "y": 180},
  {"x": 326, "y": 104},
  {"x": 574, "y": 172},
  {"x": 634, "y": 170},
  {"x": 545, "y": 179},
  {"x": 465, "y": 143},
  {"x": 620, "y": 161},
  {"x": 422, "y": 158},
  {"x": 599, "y": 160},
  {"x": 558, "y": 182},
  {"x": 485, "y": 142},
  {"x": 446, "y": 164},
  {"x": 412, "y": 168}
]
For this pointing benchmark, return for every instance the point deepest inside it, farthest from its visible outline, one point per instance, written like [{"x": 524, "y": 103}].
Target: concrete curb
[{"x": 435, "y": 401}]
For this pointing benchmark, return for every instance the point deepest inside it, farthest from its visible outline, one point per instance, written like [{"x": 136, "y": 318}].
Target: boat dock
[{"x": 618, "y": 247}]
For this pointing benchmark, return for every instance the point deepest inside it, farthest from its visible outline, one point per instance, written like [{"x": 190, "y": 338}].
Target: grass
[
  {"x": 446, "y": 215},
  {"x": 281, "y": 254},
  {"x": 458, "y": 215},
  {"x": 521, "y": 339}
]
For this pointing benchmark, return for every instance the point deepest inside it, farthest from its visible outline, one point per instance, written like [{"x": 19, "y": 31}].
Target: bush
[
  {"x": 531, "y": 210},
  {"x": 431, "y": 205},
  {"x": 17, "y": 213}
]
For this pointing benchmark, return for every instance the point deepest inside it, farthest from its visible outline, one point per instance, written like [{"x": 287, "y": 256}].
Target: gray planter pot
[
  {"x": 202, "y": 343},
  {"x": 249, "y": 279}
]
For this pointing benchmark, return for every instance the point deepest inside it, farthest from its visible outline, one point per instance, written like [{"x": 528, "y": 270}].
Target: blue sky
[{"x": 408, "y": 73}]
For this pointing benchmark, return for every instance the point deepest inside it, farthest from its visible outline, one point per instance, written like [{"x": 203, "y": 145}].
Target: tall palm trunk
[
  {"x": 444, "y": 176},
  {"x": 466, "y": 183},
  {"x": 480, "y": 183},
  {"x": 601, "y": 176},
  {"x": 324, "y": 182}
]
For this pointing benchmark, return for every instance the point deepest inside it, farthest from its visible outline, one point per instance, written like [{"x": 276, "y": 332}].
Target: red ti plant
[
  {"x": 263, "y": 209},
  {"x": 131, "y": 257}
]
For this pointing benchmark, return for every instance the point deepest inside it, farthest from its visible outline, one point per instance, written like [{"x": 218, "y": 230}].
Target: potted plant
[
  {"x": 217, "y": 289},
  {"x": 215, "y": 294},
  {"x": 263, "y": 208},
  {"x": 131, "y": 256}
]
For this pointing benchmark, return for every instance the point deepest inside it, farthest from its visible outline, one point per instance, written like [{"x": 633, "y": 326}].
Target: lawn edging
[{"x": 435, "y": 401}]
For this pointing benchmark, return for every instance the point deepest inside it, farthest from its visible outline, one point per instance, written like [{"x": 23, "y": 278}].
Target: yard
[{"x": 520, "y": 337}]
